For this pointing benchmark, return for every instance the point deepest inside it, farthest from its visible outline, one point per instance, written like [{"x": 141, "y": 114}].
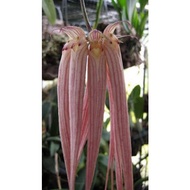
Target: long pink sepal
[
  {"x": 119, "y": 110},
  {"x": 63, "y": 107},
  {"x": 96, "y": 92},
  {"x": 76, "y": 95}
]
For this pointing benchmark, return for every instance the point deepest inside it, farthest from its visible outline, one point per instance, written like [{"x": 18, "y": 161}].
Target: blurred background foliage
[{"x": 134, "y": 49}]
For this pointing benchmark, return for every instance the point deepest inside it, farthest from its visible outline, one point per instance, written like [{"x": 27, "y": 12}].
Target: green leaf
[
  {"x": 135, "y": 93},
  {"x": 49, "y": 10},
  {"x": 116, "y": 5},
  {"x": 138, "y": 107},
  {"x": 80, "y": 179},
  {"x": 106, "y": 123},
  {"x": 130, "y": 8},
  {"x": 57, "y": 139},
  {"x": 54, "y": 147},
  {"x": 107, "y": 100},
  {"x": 144, "y": 18},
  {"x": 143, "y": 3},
  {"x": 135, "y": 20},
  {"x": 124, "y": 16},
  {"x": 122, "y": 3},
  {"x": 103, "y": 160},
  {"x": 102, "y": 163}
]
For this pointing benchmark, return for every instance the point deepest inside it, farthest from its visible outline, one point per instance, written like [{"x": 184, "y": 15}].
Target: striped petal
[
  {"x": 119, "y": 110},
  {"x": 63, "y": 107},
  {"x": 76, "y": 95},
  {"x": 73, "y": 32},
  {"x": 96, "y": 92},
  {"x": 70, "y": 95}
]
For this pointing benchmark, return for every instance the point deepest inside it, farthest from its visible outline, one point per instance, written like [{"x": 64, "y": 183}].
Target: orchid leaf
[
  {"x": 143, "y": 3},
  {"x": 57, "y": 139},
  {"x": 135, "y": 20},
  {"x": 138, "y": 107},
  {"x": 107, "y": 100},
  {"x": 116, "y": 5},
  {"x": 144, "y": 18},
  {"x": 130, "y": 8},
  {"x": 106, "y": 122},
  {"x": 135, "y": 93},
  {"x": 103, "y": 160},
  {"x": 127, "y": 11},
  {"x": 80, "y": 180},
  {"x": 102, "y": 163},
  {"x": 122, "y": 3},
  {"x": 125, "y": 17},
  {"x": 49, "y": 10}
]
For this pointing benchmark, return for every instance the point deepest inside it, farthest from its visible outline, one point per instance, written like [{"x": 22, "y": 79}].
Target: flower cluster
[{"x": 81, "y": 107}]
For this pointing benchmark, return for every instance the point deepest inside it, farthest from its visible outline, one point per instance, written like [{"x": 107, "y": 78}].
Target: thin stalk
[
  {"x": 98, "y": 9},
  {"x": 57, "y": 171},
  {"x": 83, "y": 8},
  {"x": 65, "y": 9}
]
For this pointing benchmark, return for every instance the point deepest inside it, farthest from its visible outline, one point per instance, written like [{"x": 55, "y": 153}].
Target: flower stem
[
  {"x": 98, "y": 9},
  {"x": 83, "y": 8}
]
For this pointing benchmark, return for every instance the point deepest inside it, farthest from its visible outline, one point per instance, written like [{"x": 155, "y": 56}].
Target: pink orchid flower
[{"x": 81, "y": 107}]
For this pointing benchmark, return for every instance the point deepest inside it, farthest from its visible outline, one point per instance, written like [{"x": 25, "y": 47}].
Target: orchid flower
[{"x": 81, "y": 107}]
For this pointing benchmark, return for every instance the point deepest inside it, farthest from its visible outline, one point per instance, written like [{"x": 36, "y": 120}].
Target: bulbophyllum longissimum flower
[{"x": 81, "y": 107}]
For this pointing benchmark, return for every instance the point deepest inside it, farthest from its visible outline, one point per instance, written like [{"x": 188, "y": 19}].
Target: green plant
[
  {"x": 49, "y": 10},
  {"x": 128, "y": 11}
]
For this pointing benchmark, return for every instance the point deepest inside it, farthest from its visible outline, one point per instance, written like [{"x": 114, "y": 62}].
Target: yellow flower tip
[
  {"x": 75, "y": 47},
  {"x": 95, "y": 39},
  {"x": 96, "y": 52}
]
